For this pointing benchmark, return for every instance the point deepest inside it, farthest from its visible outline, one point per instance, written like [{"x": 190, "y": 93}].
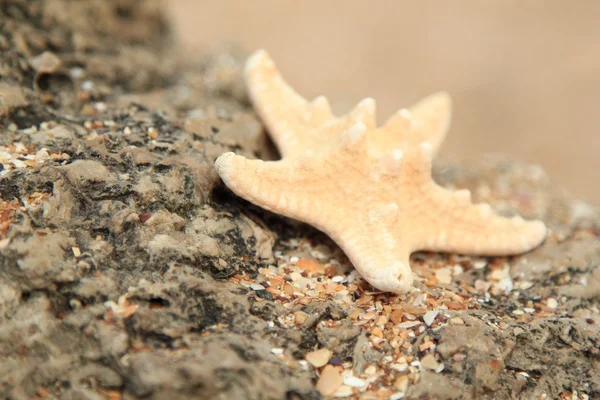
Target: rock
[
  {"x": 48, "y": 137},
  {"x": 12, "y": 97},
  {"x": 85, "y": 172},
  {"x": 179, "y": 289}
]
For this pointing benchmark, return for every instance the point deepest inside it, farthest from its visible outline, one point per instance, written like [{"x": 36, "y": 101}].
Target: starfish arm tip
[
  {"x": 438, "y": 102},
  {"x": 364, "y": 112},
  {"x": 225, "y": 166},
  {"x": 540, "y": 233},
  {"x": 396, "y": 277},
  {"x": 257, "y": 59},
  {"x": 368, "y": 103},
  {"x": 223, "y": 161},
  {"x": 442, "y": 97}
]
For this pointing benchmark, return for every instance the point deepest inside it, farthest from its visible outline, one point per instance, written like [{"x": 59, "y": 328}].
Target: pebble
[
  {"x": 257, "y": 286},
  {"x": 319, "y": 358},
  {"x": 408, "y": 324},
  {"x": 343, "y": 391},
  {"x": 295, "y": 276},
  {"x": 329, "y": 381},
  {"x": 499, "y": 274},
  {"x": 300, "y": 317},
  {"x": 444, "y": 276},
  {"x": 401, "y": 383},
  {"x": 18, "y": 163},
  {"x": 456, "y": 321},
  {"x": 552, "y": 303},
  {"x": 430, "y": 362},
  {"x": 350, "y": 380},
  {"x": 399, "y": 367},
  {"x": 429, "y": 317}
]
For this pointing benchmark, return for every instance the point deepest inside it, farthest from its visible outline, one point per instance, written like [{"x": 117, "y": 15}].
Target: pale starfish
[{"x": 370, "y": 189}]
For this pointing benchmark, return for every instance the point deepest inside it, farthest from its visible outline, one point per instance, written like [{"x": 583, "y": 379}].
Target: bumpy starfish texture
[
  {"x": 298, "y": 126},
  {"x": 370, "y": 189}
]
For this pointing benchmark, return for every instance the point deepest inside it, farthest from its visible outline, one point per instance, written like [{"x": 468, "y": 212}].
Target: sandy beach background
[{"x": 524, "y": 77}]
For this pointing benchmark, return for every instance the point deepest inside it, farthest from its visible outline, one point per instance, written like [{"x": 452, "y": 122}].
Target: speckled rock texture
[{"x": 121, "y": 251}]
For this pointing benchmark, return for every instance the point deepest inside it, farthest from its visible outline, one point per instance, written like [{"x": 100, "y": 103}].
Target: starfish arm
[
  {"x": 288, "y": 116},
  {"x": 378, "y": 255},
  {"x": 458, "y": 225},
  {"x": 287, "y": 187},
  {"x": 426, "y": 121},
  {"x": 443, "y": 220}
]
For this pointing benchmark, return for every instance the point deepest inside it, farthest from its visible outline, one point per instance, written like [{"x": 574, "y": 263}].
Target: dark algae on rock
[{"x": 128, "y": 271}]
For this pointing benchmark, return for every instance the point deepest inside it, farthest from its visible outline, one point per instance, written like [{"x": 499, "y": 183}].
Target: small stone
[
  {"x": 343, "y": 391},
  {"x": 504, "y": 286},
  {"x": 399, "y": 367},
  {"x": 329, "y": 381},
  {"x": 300, "y": 317},
  {"x": 309, "y": 266},
  {"x": 408, "y": 324},
  {"x": 336, "y": 361},
  {"x": 444, "y": 276},
  {"x": 377, "y": 332},
  {"x": 396, "y": 316},
  {"x": 319, "y": 358},
  {"x": 350, "y": 380},
  {"x": 152, "y": 133},
  {"x": 523, "y": 285},
  {"x": 482, "y": 286},
  {"x": 429, "y": 317},
  {"x": 263, "y": 294},
  {"x": 456, "y": 321},
  {"x": 552, "y": 303},
  {"x": 41, "y": 155},
  {"x": 381, "y": 320},
  {"x": 18, "y": 163},
  {"x": 370, "y": 370},
  {"x": 401, "y": 383},
  {"x": 431, "y": 363},
  {"x": 277, "y": 350},
  {"x": 295, "y": 276},
  {"x": 257, "y": 286},
  {"x": 499, "y": 274},
  {"x": 76, "y": 251}
]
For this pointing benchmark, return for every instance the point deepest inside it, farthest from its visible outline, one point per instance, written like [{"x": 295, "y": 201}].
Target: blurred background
[{"x": 524, "y": 75}]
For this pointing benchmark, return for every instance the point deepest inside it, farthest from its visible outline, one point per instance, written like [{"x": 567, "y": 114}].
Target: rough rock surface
[{"x": 122, "y": 255}]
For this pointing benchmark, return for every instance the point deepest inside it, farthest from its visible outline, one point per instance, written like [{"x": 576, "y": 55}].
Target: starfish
[{"x": 369, "y": 188}]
